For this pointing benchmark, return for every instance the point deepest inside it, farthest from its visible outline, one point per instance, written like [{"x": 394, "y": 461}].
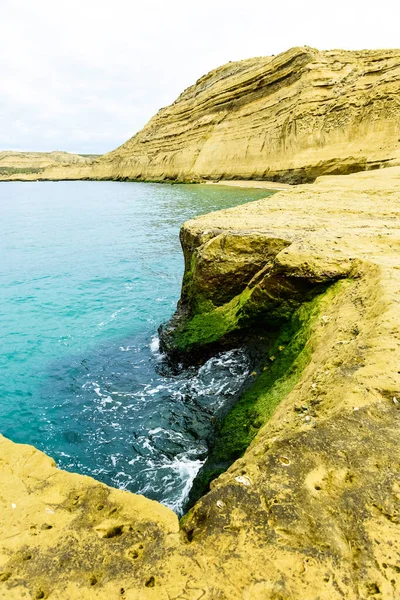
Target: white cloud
[{"x": 85, "y": 75}]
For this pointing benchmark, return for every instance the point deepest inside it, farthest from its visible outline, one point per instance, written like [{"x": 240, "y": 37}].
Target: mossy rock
[{"x": 277, "y": 375}]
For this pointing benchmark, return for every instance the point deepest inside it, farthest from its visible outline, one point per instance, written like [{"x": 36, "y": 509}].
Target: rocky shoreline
[
  {"x": 300, "y": 496},
  {"x": 310, "y": 506}
]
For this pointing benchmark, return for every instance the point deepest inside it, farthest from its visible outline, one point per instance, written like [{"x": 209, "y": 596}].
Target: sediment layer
[
  {"x": 312, "y": 508},
  {"x": 17, "y": 164},
  {"x": 290, "y": 118}
]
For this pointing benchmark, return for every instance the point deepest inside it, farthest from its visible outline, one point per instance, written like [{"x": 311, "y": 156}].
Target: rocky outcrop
[
  {"x": 311, "y": 509},
  {"x": 290, "y": 117},
  {"x": 236, "y": 281},
  {"x": 32, "y": 163}
]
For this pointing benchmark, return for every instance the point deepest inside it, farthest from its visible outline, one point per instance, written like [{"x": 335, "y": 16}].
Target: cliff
[
  {"x": 290, "y": 118},
  {"x": 31, "y": 163},
  {"x": 310, "y": 507}
]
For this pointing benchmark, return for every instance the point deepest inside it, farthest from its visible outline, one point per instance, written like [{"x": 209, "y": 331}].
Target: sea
[{"x": 88, "y": 271}]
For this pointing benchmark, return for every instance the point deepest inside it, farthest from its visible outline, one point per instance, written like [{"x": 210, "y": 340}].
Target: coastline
[
  {"x": 313, "y": 501},
  {"x": 239, "y": 183},
  {"x": 300, "y": 494},
  {"x": 251, "y": 183}
]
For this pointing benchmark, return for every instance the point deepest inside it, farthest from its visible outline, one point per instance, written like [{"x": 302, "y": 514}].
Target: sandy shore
[{"x": 251, "y": 183}]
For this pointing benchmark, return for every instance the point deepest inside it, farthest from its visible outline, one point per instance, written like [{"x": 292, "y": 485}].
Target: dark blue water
[{"x": 88, "y": 271}]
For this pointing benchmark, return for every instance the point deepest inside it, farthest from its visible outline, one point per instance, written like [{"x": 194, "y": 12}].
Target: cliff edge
[
  {"x": 310, "y": 507},
  {"x": 13, "y": 163}
]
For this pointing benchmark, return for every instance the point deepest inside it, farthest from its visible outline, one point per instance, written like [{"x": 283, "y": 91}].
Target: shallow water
[{"x": 88, "y": 271}]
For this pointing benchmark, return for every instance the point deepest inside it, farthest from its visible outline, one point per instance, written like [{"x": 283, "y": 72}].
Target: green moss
[
  {"x": 251, "y": 310},
  {"x": 197, "y": 302},
  {"x": 280, "y": 372},
  {"x": 267, "y": 304},
  {"x": 207, "y": 328}
]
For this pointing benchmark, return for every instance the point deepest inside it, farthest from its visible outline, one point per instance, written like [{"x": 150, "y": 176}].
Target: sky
[{"x": 85, "y": 75}]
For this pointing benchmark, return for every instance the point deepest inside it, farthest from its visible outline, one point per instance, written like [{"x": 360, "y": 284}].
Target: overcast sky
[{"x": 85, "y": 75}]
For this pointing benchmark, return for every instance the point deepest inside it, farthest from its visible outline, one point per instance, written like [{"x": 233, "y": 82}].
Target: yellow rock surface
[
  {"x": 34, "y": 162},
  {"x": 312, "y": 509},
  {"x": 290, "y": 117}
]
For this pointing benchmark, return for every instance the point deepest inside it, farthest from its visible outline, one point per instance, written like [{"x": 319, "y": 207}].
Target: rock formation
[
  {"x": 32, "y": 163},
  {"x": 311, "y": 508},
  {"x": 290, "y": 117}
]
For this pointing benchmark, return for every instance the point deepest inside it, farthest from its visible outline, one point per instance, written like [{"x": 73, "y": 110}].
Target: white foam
[
  {"x": 112, "y": 317},
  {"x": 105, "y": 400},
  {"x": 187, "y": 470},
  {"x": 152, "y": 392},
  {"x": 156, "y": 430},
  {"x": 155, "y": 344}
]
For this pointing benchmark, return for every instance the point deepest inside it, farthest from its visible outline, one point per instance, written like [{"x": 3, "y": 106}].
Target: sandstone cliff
[
  {"x": 290, "y": 117},
  {"x": 312, "y": 508},
  {"x": 31, "y": 163}
]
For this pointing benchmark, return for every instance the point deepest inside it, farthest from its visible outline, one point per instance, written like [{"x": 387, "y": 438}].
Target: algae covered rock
[{"x": 240, "y": 286}]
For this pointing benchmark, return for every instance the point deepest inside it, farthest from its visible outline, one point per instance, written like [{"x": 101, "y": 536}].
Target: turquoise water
[{"x": 88, "y": 271}]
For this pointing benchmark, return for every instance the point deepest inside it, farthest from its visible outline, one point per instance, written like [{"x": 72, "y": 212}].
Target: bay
[{"x": 88, "y": 271}]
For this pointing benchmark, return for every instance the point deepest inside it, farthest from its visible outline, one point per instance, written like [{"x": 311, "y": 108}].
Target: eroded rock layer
[
  {"x": 32, "y": 163},
  {"x": 312, "y": 508},
  {"x": 290, "y": 117}
]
